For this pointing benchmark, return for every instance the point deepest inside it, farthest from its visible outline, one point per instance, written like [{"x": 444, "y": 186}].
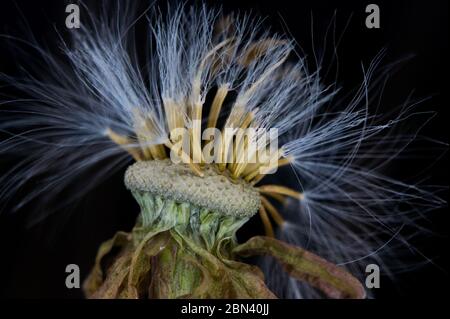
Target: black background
[{"x": 33, "y": 260}]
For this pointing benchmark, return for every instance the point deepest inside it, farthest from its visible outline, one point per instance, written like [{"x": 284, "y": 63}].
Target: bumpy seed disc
[{"x": 178, "y": 182}]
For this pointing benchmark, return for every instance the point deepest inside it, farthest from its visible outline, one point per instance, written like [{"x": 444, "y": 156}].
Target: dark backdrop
[{"x": 32, "y": 260}]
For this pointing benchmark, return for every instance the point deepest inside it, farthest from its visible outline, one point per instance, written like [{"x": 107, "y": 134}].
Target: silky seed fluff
[{"x": 178, "y": 182}]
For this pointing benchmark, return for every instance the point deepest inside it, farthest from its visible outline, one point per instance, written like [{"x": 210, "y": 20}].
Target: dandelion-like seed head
[{"x": 220, "y": 105}]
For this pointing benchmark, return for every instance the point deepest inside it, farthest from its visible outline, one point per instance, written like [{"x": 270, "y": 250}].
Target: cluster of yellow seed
[{"x": 242, "y": 167}]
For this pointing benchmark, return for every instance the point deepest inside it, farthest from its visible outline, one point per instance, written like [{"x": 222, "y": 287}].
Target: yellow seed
[
  {"x": 277, "y": 189},
  {"x": 273, "y": 212},
  {"x": 266, "y": 222},
  {"x": 123, "y": 141}
]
